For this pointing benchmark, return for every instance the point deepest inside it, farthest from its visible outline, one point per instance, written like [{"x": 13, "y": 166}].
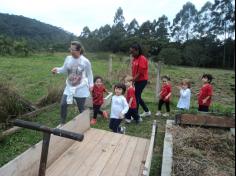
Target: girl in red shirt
[
  {"x": 131, "y": 99},
  {"x": 205, "y": 93},
  {"x": 164, "y": 96},
  {"x": 140, "y": 76},
  {"x": 97, "y": 94}
]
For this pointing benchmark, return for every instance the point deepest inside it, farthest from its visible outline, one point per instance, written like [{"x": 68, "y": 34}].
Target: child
[
  {"x": 164, "y": 96},
  {"x": 98, "y": 100},
  {"x": 130, "y": 97},
  {"x": 119, "y": 107},
  {"x": 185, "y": 95},
  {"x": 205, "y": 94}
]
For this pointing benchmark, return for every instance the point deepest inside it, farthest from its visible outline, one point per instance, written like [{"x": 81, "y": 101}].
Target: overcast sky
[{"x": 74, "y": 15}]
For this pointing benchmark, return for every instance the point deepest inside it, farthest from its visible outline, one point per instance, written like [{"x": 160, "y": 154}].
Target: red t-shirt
[
  {"x": 205, "y": 91},
  {"x": 140, "y": 65},
  {"x": 97, "y": 94},
  {"x": 131, "y": 94},
  {"x": 165, "y": 90}
]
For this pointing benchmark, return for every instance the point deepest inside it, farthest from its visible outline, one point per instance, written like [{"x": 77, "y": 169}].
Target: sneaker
[
  {"x": 93, "y": 121},
  {"x": 127, "y": 120},
  {"x": 158, "y": 113},
  {"x": 105, "y": 114},
  {"x": 146, "y": 114},
  {"x": 165, "y": 115},
  {"x": 140, "y": 119},
  {"x": 60, "y": 125},
  {"x": 122, "y": 130}
]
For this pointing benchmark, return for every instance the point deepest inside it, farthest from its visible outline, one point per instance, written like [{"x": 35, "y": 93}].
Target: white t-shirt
[
  {"x": 119, "y": 106},
  {"x": 184, "y": 99},
  {"x": 80, "y": 76}
]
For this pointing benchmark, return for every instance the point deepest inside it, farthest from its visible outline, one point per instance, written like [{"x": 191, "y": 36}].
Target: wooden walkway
[{"x": 102, "y": 153}]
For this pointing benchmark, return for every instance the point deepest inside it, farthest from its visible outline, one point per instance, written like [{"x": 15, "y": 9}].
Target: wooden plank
[
  {"x": 94, "y": 155},
  {"x": 94, "y": 165},
  {"x": 126, "y": 158},
  {"x": 115, "y": 158},
  {"x": 72, "y": 153},
  {"x": 137, "y": 159},
  {"x": 205, "y": 120},
  {"x": 144, "y": 159},
  {"x": 82, "y": 154},
  {"x": 28, "y": 162},
  {"x": 147, "y": 165}
]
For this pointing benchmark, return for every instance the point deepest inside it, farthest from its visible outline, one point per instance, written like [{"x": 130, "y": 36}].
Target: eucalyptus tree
[{"x": 182, "y": 28}]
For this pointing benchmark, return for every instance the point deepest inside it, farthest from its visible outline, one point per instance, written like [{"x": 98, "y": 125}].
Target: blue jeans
[{"x": 80, "y": 104}]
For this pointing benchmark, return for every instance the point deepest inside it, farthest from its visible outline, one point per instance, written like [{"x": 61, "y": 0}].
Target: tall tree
[{"x": 182, "y": 27}]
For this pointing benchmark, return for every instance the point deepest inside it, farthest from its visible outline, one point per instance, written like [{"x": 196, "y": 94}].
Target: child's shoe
[
  {"x": 166, "y": 114},
  {"x": 158, "y": 113},
  {"x": 122, "y": 130},
  {"x": 93, "y": 121},
  {"x": 128, "y": 121},
  {"x": 146, "y": 114},
  {"x": 105, "y": 114}
]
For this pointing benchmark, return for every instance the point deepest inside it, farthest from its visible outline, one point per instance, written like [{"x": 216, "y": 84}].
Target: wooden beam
[
  {"x": 147, "y": 165},
  {"x": 205, "y": 120}
]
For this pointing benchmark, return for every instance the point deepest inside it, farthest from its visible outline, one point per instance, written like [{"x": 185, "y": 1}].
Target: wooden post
[
  {"x": 110, "y": 68},
  {"x": 158, "y": 85}
]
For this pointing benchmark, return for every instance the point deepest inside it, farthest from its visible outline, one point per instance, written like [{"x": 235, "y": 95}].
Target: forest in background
[{"x": 204, "y": 38}]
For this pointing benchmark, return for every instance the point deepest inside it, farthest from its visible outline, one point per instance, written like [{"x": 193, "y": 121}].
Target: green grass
[{"x": 31, "y": 77}]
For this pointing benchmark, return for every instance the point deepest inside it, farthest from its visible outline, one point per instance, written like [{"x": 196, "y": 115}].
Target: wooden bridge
[{"x": 101, "y": 153}]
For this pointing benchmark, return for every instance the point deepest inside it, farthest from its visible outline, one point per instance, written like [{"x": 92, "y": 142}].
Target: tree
[{"x": 182, "y": 27}]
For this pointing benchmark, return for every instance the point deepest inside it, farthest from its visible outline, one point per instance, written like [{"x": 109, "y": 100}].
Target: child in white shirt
[
  {"x": 119, "y": 107},
  {"x": 185, "y": 95}
]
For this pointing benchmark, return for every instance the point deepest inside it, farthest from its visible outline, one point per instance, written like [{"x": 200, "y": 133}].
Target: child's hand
[
  {"x": 121, "y": 116},
  {"x": 204, "y": 101}
]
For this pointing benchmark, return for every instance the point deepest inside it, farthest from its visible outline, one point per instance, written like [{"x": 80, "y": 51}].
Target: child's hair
[
  {"x": 165, "y": 77},
  {"x": 120, "y": 86},
  {"x": 96, "y": 78},
  {"x": 208, "y": 76},
  {"x": 187, "y": 82},
  {"x": 128, "y": 78}
]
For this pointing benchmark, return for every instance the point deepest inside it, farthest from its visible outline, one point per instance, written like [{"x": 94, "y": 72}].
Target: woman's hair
[
  {"x": 78, "y": 46},
  {"x": 208, "y": 76},
  {"x": 187, "y": 82},
  {"x": 96, "y": 78},
  {"x": 165, "y": 77},
  {"x": 120, "y": 86},
  {"x": 138, "y": 48}
]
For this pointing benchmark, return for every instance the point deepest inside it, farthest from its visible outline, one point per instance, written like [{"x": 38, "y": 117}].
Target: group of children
[
  {"x": 204, "y": 95},
  {"x": 124, "y": 105}
]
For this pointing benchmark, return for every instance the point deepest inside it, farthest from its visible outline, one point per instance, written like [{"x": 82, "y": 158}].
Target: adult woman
[
  {"x": 79, "y": 82},
  {"x": 140, "y": 76}
]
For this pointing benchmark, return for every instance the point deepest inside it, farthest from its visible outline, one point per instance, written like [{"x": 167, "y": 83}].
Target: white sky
[{"x": 74, "y": 15}]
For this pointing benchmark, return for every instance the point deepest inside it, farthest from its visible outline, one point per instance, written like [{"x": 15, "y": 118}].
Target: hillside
[{"x": 39, "y": 35}]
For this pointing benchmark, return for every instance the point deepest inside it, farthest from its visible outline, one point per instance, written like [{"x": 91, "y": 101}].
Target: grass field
[{"x": 32, "y": 79}]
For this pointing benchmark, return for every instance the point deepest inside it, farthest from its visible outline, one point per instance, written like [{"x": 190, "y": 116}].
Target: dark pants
[
  {"x": 132, "y": 113},
  {"x": 115, "y": 125},
  {"x": 203, "y": 108},
  {"x": 161, "y": 102},
  {"x": 96, "y": 111},
  {"x": 139, "y": 86},
  {"x": 80, "y": 104}
]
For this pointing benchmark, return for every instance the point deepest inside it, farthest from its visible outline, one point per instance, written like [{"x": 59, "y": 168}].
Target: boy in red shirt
[
  {"x": 164, "y": 96},
  {"x": 205, "y": 94},
  {"x": 131, "y": 99},
  {"x": 97, "y": 94}
]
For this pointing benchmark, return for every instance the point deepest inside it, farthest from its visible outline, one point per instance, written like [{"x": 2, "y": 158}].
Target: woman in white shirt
[
  {"x": 185, "y": 95},
  {"x": 79, "y": 82}
]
